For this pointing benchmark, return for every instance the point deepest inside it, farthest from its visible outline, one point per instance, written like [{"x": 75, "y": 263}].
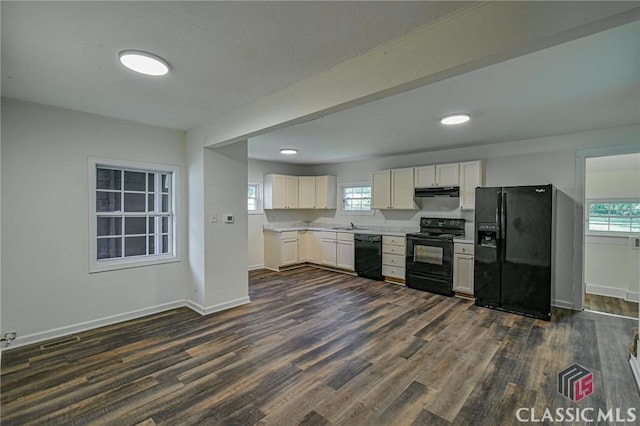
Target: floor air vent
[{"x": 61, "y": 342}]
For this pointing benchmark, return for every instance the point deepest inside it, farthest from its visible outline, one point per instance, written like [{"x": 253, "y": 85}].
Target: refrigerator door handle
[
  {"x": 503, "y": 224},
  {"x": 499, "y": 231}
]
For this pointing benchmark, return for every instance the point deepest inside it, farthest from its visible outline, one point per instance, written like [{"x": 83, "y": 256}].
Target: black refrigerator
[{"x": 513, "y": 259}]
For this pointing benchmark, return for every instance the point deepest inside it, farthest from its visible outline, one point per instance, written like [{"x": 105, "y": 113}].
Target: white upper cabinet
[
  {"x": 437, "y": 175},
  {"x": 280, "y": 192},
  {"x": 393, "y": 189},
  {"x": 402, "y": 191},
  {"x": 471, "y": 177},
  {"x": 307, "y": 192},
  {"x": 325, "y": 192},
  {"x": 299, "y": 192},
  {"x": 381, "y": 190}
]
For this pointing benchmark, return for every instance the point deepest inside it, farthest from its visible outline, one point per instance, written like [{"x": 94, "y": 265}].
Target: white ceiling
[
  {"x": 225, "y": 55},
  {"x": 588, "y": 83}
]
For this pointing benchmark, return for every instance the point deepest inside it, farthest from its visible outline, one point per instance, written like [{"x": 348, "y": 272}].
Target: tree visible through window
[
  {"x": 356, "y": 198},
  {"x": 613, "y": 216}
]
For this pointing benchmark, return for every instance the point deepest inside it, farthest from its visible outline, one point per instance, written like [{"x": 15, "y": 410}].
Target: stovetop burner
[{"x": 440, "y": 228}]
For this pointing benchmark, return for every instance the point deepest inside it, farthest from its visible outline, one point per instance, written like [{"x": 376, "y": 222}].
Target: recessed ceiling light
[
  {"x": 143, "y": 62},
  {"x": 455, "y": 119},
  {"x": 288, "y": 151}
]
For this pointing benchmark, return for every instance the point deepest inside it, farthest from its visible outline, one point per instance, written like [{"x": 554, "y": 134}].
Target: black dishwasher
[{"x": 369, "y": 256}]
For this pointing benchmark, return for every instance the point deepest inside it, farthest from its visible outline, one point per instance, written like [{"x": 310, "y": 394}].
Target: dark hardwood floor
[
  {"x": 610, "y": 305},
  {"x": 319, "y": 348}
]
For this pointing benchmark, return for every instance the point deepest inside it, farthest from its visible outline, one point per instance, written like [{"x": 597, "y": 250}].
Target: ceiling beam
[{"x": 475, "y": 37}]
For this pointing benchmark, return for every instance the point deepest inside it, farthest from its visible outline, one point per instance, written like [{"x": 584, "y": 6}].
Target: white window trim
[
  {"x": 341, "y": 187},
  {"x": 103, "y": 265},
  {"x": 590, "y": 201},
  {"x": 259, "y": 204}
]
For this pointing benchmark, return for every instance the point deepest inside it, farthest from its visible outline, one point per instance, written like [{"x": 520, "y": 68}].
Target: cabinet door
[
  {"x": 402, "y": 189},
  {"x": 345, "y": 258},
  {"x": 425, "y": 176},
  {"x": 307, "y": 192},
  {"x": 313, "y": 247},
  {"x": 275, "y": 192},
  {"x": 328, "y": 252},
  {"x": 302, "y": 246},
  {"x": 292, "y": 192},
  {"x": 447, "y": 174},
  {"x": 381, "y": 190},
  {"x": 289, "y": 251},
  {"x": 471, "y": 173},
  {"x": 463, "y": 273},
  {"x": 325, "y": 192}
]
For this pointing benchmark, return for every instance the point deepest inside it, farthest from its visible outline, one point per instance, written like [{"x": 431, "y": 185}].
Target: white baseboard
[
  {"x": 633, "y": 296},
  {"x": 254, "y": 267},
  {"x": 612, "y": 292},
  {"x": 89, "y": 325},
  {"x": 562, "y": 304},
  {"x": 635, "y": 367},
  {"x": 219, "y": 307}
]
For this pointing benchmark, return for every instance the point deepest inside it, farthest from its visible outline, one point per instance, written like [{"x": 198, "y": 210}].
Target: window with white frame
[
  {"x": 133, "y": 214},
  {"x": 613, "y": 216},
  {"x": 356, "y": 198},
  {"x": 253, "y": 198}
]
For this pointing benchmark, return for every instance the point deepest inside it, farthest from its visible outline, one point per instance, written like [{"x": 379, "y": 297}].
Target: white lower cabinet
[
  {"x": 393, "y": 257},
  {"x": 337, "y": 250},
  {"x": 280, "y": 249},
  {"x": 463, "y": 268},
  {"x": 313, "y": 244}
]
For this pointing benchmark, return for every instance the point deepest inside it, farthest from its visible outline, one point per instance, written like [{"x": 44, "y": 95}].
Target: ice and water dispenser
[{"x": 487, "y": 235}]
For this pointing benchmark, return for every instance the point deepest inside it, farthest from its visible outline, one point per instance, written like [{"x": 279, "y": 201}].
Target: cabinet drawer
[
  {"x": 460, "y": 248},
  {"x": 393, "y": 259},
  {"x": 400, "y": 250},
  {"x": 393, "y": 271},
  {"x": 345, "y": 236},
  {"x": 394, "y": 241},
  {"x": 288, "y": 235}
]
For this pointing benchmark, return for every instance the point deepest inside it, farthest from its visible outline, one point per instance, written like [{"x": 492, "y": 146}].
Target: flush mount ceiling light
[
  {"x": 288, "y": 151},
  {"x": 455, "y": 119},
  {"x": 143, "y": 62}
]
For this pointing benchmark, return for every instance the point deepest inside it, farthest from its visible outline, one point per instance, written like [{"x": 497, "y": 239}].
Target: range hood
[{"x": 438, "y": 191}]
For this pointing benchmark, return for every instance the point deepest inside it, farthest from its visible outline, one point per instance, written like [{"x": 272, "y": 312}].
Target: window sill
[
  {"x": 356, "y": 213},
  {"x": 255, "y": 212},
  {"x": 113, "y": 265}
]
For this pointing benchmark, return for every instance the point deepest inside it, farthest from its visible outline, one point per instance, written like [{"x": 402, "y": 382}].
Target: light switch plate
[{"x": 213, "y": 217}]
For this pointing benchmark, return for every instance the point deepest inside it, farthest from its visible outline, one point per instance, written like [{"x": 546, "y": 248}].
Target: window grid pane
[
  {"x": 356, "y": 198},
  {"x": 621, "y": 217},
  {"x": 252, "y": 197},
  {"x": 144, "y": 226}
]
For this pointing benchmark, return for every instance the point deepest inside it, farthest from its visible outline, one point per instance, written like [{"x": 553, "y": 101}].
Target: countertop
[
  {"x": 463, "y": 240},
  {"x": 369, "y": 230}
]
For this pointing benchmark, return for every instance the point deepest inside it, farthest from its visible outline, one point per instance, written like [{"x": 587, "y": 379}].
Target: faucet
[{"x": 352, "y": 225}]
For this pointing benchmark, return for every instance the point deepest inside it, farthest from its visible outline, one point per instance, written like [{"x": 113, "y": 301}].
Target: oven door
[{"x": 431, "y": 257}]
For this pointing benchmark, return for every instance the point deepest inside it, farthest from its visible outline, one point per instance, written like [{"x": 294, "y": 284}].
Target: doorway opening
[{"x": 612, "y": 234}]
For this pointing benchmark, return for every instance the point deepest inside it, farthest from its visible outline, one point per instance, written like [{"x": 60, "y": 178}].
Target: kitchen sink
[{"x": 348, "y": 228}]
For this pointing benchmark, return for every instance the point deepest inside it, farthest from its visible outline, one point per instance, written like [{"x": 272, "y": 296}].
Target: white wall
[
  {"x": 46, "y": 287},
  {"x": 217, "y": 251},
  {"x": 611, "y": 263},
  {"x": 550, "y": 160}
]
